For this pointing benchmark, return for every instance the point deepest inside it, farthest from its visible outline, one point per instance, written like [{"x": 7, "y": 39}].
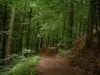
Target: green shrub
[
  {"x": 11, "y": 61},
  {"x": 63, "y": 53},
  {"x": 28, "y": 53},
  {"x": 25, "y": 67},
  {"x": 3, "y": 73},
  {"x": 17, "y": 56}
]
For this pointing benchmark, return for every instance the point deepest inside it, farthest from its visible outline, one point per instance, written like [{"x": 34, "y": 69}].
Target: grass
[{"x": 25, "y": 67}]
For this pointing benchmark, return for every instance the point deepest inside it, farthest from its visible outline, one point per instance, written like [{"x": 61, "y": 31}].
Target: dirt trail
[{"x": 53, "y": 66}]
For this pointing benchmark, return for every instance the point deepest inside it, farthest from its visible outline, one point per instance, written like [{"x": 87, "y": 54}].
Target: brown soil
[{"x": 53, "y": 66}]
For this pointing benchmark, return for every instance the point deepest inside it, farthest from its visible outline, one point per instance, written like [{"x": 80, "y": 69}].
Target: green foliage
[
  {"x": 43, "y": 23},
  {"x": 28, "y": 53},
  {"x": 1, "y": 61},
  {"x": 47, "y": 22},
  {"x": 12, "y": 60},
  {"x": 63, "y": 53},
  {"x": 16, "y": 56},
  {"x": 3, "y": 73},
  {"x": 25, "y": 67}
]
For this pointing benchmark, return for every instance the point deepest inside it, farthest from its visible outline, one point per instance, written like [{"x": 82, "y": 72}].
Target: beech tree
[
  {"x": 10, "y": 32},
  {"x": 37, "y": 24},
  {"x": 93, "y": 23}
]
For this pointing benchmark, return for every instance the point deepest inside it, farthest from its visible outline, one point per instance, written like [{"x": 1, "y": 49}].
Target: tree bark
[
  {"x": 28, "y": 32},
  {"x": 71, "y": 22},
  {"x": 4, "y": 36},
  {"x": 10, "y": 32},
  {"x": 93, "y": 23}
]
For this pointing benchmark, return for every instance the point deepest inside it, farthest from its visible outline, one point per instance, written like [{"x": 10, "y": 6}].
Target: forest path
[{"x": 53, "y": 66}]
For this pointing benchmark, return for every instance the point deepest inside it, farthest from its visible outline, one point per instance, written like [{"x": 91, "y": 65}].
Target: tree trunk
[
  {"x": 28, "y": 33},
  {"x": 4, "y": 36},
  {"x": 80, "y": 26},
  {"x": 9, "y": 46},
  {"x": 71, "y": 21},
  {"x": 93, "y": 21}
]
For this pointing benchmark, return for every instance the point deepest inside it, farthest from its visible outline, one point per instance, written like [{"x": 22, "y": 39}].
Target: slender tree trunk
[
  {"x": 24, "y": 27},
  {"x": 98, "y": 22},
  {"x": 64, "y": 27},
  {"x": 93, "y": 25},
  {"x": 10, "y": 32},
  {"x": 71, "y": 21},
  {"x": 76, "y": 30},
  {"x": 84, "y": 29},
  {"x": 4, "y": 36},
  {"x": 28, "y": 33},
  {"x": 64, "y": 24},
  {"x": 80, "y": 26},
  {"x": 57, "y": 38},
  {"x": 37, "y": 31}
]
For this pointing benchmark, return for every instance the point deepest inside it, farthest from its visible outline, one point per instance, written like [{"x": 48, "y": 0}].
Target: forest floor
[{"x": 54, "y": 66}]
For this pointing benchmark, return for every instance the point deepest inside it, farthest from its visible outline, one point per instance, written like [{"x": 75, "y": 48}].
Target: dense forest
[{"x": 69, "y": 28}]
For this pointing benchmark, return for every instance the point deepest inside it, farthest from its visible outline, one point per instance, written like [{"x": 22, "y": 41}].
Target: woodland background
[{"x": 28, "y": 25}]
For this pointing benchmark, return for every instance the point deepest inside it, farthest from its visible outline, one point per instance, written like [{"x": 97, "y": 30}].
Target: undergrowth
[
  {"x": 25, "y": 67},
  {"x": 86, "y": 60},
  {"x": 63, "y": 53}
]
